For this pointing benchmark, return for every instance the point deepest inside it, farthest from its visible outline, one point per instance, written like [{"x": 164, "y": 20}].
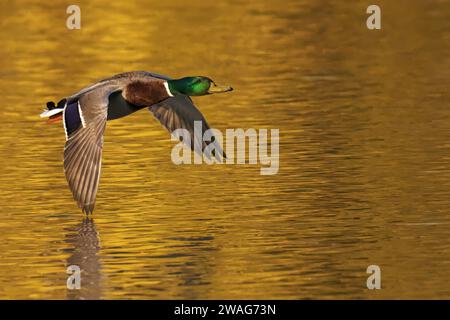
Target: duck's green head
[{"x": 196, "y": 86}]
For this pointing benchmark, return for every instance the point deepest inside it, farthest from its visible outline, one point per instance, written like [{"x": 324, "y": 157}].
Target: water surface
[{"x": 364, "y": 175}]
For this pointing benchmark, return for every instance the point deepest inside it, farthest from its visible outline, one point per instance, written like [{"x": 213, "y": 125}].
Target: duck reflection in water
[{"x": 84, "y": 254}]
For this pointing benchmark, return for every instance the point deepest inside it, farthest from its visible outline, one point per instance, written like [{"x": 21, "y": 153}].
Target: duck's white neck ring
[{"x": 166, "y": 85}]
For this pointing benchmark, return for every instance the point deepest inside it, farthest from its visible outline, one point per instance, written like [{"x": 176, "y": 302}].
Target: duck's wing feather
[
  {"x": 120, "y": 79},
  {"x": 179, "y": 112},
  {"x": 83, "y": 149}
]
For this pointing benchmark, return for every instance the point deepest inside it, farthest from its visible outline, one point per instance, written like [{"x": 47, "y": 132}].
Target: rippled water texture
[{"x": 364, "y": 175}]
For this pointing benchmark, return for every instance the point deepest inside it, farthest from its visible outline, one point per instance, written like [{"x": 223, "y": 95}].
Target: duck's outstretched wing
[
  {"x": 84, "y": 123},
  {"x": 179, "y": 112}
]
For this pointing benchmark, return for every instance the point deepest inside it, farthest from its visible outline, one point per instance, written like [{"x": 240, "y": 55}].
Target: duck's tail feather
[
  {"x": 54, "y": 112},
  {"x": 51, "y": 113}
]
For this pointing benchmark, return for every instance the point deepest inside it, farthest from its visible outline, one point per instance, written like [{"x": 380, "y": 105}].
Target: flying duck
[{"x": 84, "y": 116}]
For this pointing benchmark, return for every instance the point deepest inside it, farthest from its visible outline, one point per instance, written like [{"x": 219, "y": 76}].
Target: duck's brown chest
[{"x": 145, "y": 93}]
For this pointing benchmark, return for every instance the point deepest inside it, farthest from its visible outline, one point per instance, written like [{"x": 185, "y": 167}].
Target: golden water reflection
[
  {"x": 364, "y": 152},
  {"x": 86, "y": 245}
]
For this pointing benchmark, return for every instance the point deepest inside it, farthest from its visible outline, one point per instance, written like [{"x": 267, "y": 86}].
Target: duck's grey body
[
  {"x": 85, "y": 115},
  {"x": 118, "y": 107},
  {"x": 113, "y": 87}
]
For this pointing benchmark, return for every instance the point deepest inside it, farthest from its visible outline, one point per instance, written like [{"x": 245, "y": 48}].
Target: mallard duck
[{"x": 84, "y": 116}]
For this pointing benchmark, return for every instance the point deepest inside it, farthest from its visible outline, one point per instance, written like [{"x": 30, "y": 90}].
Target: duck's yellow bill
[{"x": 214, "y": 88}]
